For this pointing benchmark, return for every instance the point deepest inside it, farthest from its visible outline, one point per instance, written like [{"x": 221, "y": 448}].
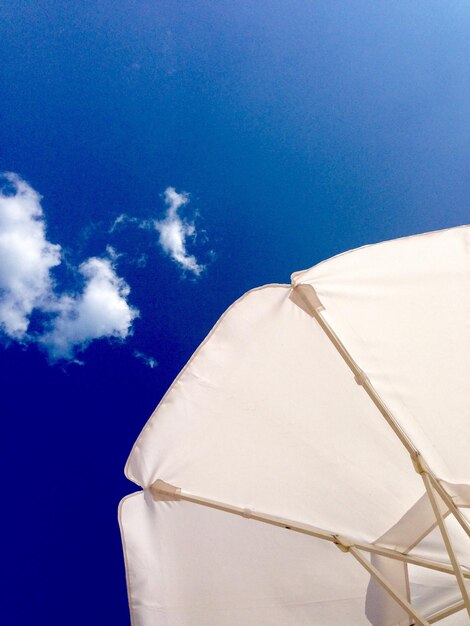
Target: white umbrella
[{"x": 310, "y": 464}]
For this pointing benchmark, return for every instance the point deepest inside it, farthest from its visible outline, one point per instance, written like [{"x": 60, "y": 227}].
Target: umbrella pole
[
  {"x": 406, "y": 558},
  {"x": 457, "y": 513},
  {"x": 447, "y": 541},
  {"x": 373, "y": 571}
]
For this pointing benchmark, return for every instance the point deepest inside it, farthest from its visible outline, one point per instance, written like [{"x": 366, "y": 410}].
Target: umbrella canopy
[{"x": 310, "y": 464}]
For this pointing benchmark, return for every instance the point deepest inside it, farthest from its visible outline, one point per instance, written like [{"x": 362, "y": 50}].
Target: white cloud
[
  {"x": 121, "y": 220},
  {"x": 173, "y": 232},
  {"x": 26, "y": 257},
  {"x": 101, "y": 310},
  {"x": 150, "y": 361}
]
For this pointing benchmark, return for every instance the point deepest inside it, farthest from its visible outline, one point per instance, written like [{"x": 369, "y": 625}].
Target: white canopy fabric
[{"x": 310, "y": 464}]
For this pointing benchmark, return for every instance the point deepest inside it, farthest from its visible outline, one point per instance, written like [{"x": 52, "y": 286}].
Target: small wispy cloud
[
  {"x": 175, "y": 234},
  {"x": 69, "y": 322},
  {"x": 174, "y": 231},
  {"x": 121, "y": 220},
  {"x": 150, "y": 361}
]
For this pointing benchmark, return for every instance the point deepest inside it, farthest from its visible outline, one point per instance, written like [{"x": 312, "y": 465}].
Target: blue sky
[{"x": 166, "y": 157}]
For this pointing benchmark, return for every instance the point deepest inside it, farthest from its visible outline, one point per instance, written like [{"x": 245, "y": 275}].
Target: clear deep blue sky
[{"x": 298, "y": 129}]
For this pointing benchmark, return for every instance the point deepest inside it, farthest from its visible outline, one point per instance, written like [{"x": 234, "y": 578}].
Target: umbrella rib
[
  {"x": 305, "y": 296},
  {"x": 161, "y": 490}
]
